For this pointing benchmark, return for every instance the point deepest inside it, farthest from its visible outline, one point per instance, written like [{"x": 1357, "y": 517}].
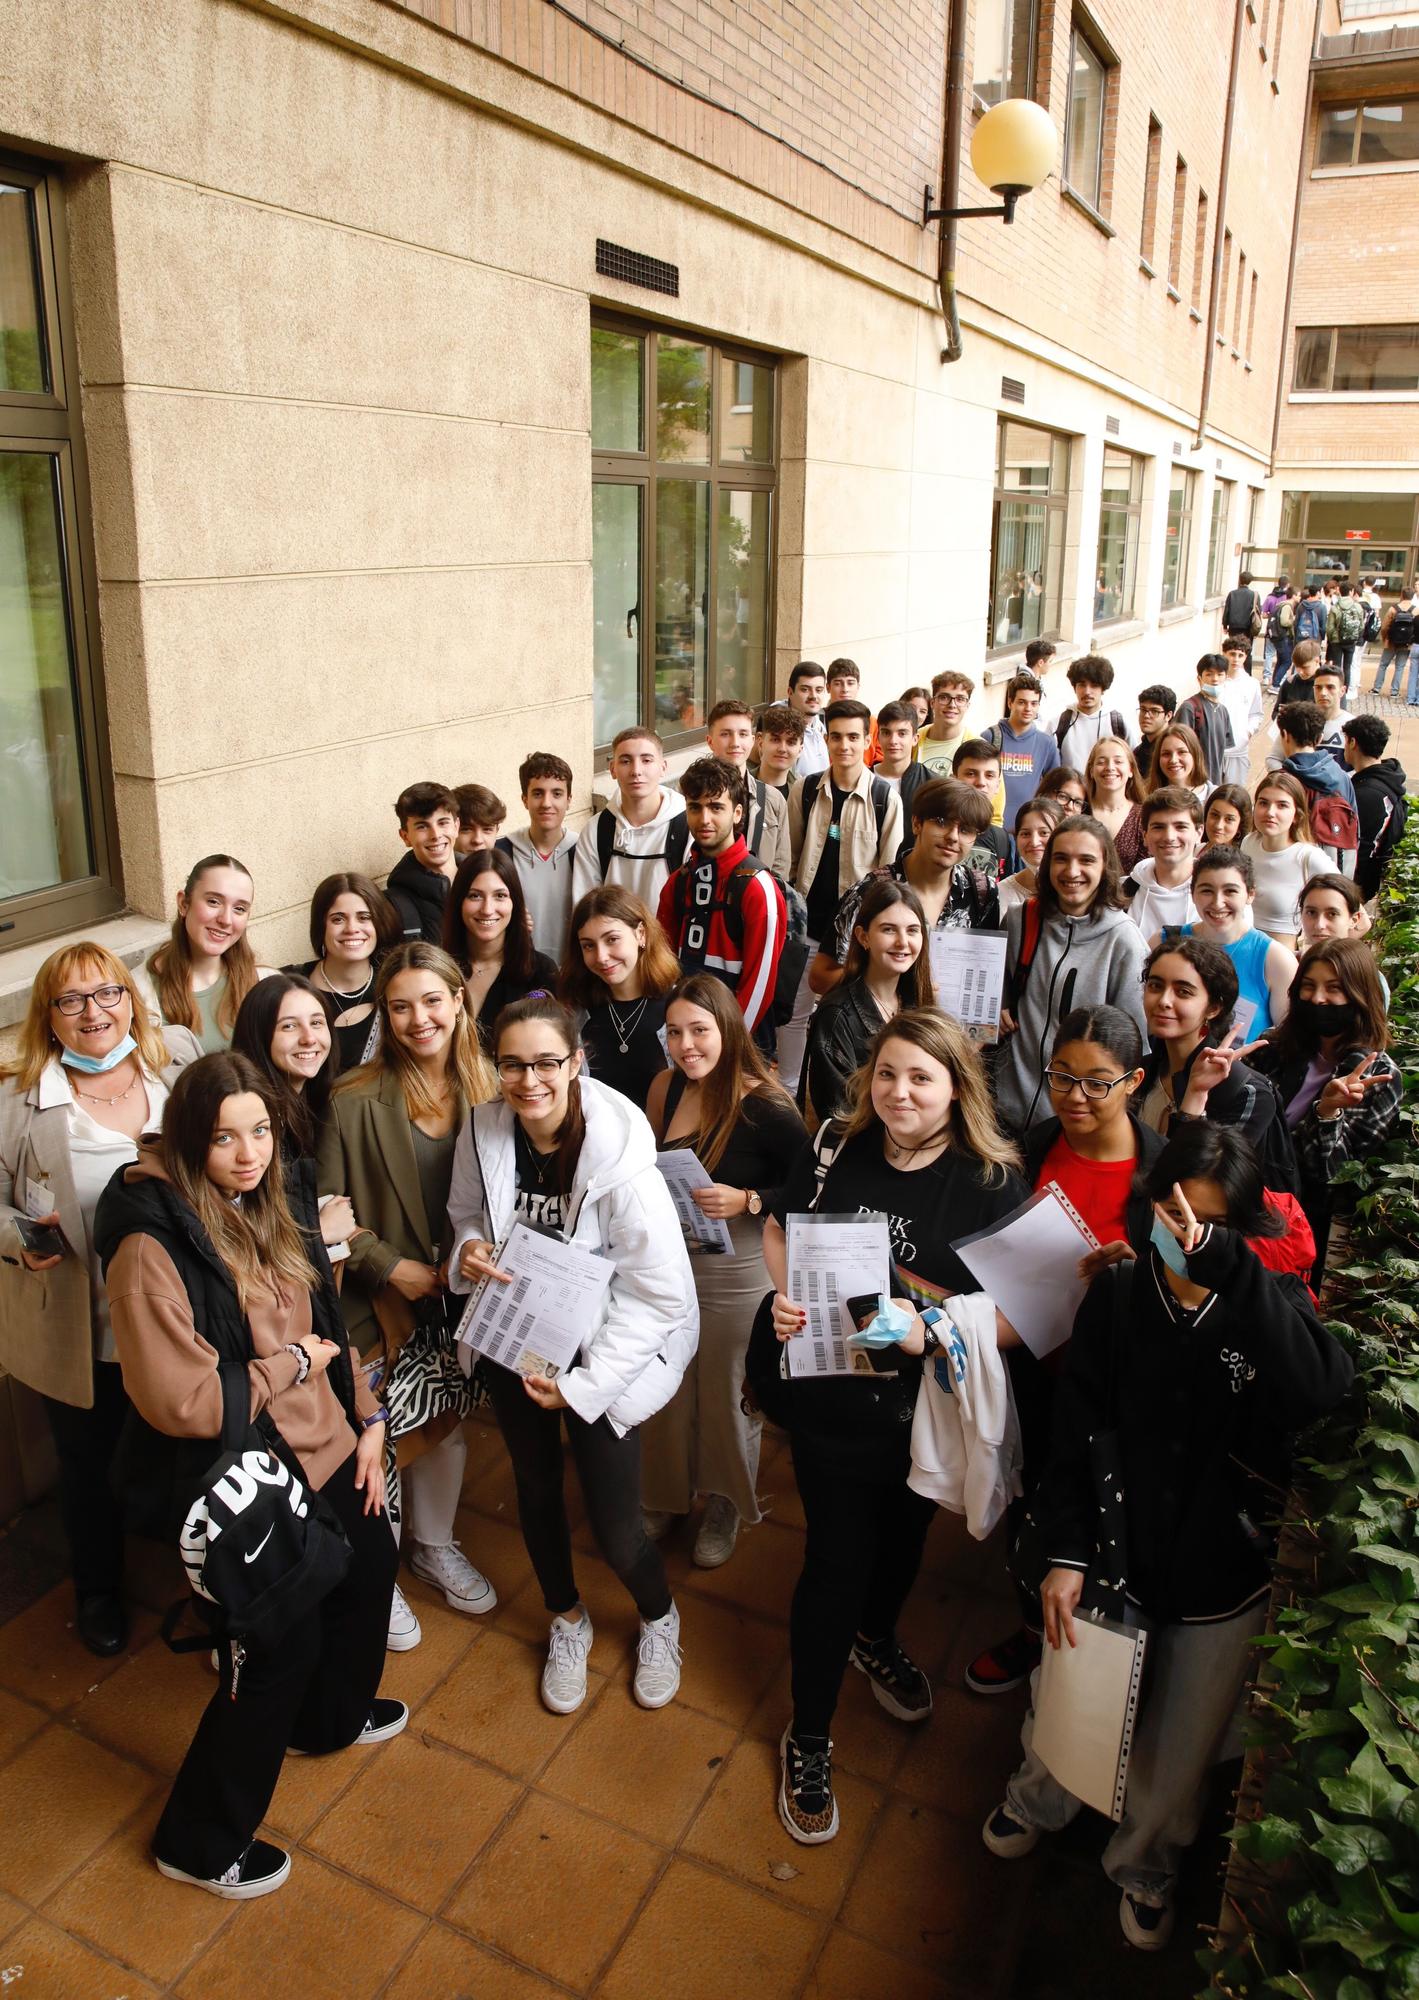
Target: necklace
[
  {"x": 93, "y": 1097},
  {"x": 343, "y": 993},
  {"x": 627, "y": 1027}
]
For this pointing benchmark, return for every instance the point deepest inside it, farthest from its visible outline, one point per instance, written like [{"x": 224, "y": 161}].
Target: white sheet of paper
[
  {"x": 1027, "y": 1265},
  {"x": 544, "y": 1315},
  {"x": 683, "y": 1172},
  {"x": 831, "y": 1259},
  {"x": 968, "y": 972},
  {"x": 1243, "y": 1014},
  {"x": 1085, "y": 1707}
]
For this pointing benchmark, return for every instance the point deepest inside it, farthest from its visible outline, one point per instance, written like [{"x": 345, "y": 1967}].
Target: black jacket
[
  {"x": 419, "y": 894},
  {"x": 160, "y": 1475},
  {"x": 1239, "y": 609},
  {"x": 1203, "y": 1413},
  {"x": 1379, "y": 801},
  {"x": 1245, "y": 1098},
  {"x": 839, "y": 1036}
]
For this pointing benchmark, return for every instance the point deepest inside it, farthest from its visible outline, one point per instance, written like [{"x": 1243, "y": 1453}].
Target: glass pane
[
  {"x": 1312, "y": 358},
  {"x": 24, "y": 366},
  {"x": 1216, "y": 536},
  {"x": 1389, "y": 132},
  {"x": 1032, "y": 461},
  {"x": 1376, "y": 357},
  {"x": 1388, "y": 516},
  {"x": 682, "y": 392},
  {"x": 746, "y": 423},
  {"x": 1327, "y": 565},
  {"x": 1389, "y": 567},
  {"x": 1123, "y": 477},
  {"x": 1026, "y": 571},
  {"x": 1004, "y": 49},
  {"x": 1178, "y": 548},
  {"x": 1114, "y": 584},
  {"x": 1293, "y": 510},
  {"x": 1086, "y": 122},
  {"x": 616, "y": 607},
  {"x": 1336, "y": 144},
  {"x": 44, "y": 835},
  {"x": 617, "y": 365},
  {"x": 742, "y": 596},
  {"x": 681, "y": 603}
]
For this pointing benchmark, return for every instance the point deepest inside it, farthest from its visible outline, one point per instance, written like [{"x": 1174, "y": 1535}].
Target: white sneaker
[
  {"x": 658, "y": 1660},
  {"x": 564, "y": 1676},
  {"x": 405, "y": 1631},
  {"x": 719, "y": 1531},
  {"x": 450, "y": 1571}
]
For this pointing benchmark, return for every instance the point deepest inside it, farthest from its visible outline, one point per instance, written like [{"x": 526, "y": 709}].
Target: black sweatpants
[
  {"x": 609, "y": 1468},
  {"x": 92, "y": 1513},
  {"x": 861, "y": 1556},
  {"x": 311, "y": 1691}
]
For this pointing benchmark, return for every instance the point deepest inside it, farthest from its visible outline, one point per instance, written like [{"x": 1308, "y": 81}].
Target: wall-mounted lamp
[{"x": 1012, "y": 151}]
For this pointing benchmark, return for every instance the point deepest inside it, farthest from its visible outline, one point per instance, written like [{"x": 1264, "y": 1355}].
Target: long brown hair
[
  {"x": 518, "y": 952},
  {"x": 38, "y": 1043},
  {"x": 1189, "y": 739},
  {"x": 1354, "y": 966},
  {"x": 660, "y": 968},
  {"x": 171, "y": 964},
  {"x": 971, "y": 1120},
  {"x": 572, "y": 1130},
  {"x": 301, "y": 1110},
  {"x": 467, "y": 1066},
  {"x": 1108, "y": 895},
  {"x": 1287, "y": 783},
  {"x": 257, "y": 1238},
  {"x": 739, "y": 1070},
  {"x": 914, "y": 987}
]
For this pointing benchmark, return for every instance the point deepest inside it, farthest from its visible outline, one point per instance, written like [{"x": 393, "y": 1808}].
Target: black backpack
[
  {"x": 1403, "y": 628},
  {"x": 677, "y": 841},
  {"x": 1117, "y": 727},
  {"x": 792, "y": 958},
  {"x": 881, "y": 797}
]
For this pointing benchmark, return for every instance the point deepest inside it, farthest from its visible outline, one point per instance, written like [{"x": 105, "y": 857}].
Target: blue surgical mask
[
  {"x": 99, "y": 1065},
  {"x": 1168, "y": 1248}
]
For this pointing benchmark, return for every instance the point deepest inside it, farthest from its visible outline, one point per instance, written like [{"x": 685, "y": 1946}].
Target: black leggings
[
  {"x": 609, "y": 1468},
  {"x": 84, "y": 1443},
  {"x": 861, "y": 1556}
]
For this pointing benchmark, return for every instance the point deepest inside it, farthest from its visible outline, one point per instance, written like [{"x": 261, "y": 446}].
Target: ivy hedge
[{"x": 1324, "y": 1891}]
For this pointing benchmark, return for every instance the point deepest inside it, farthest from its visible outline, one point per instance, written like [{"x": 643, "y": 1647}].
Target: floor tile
[
  {"x": 11, "y": 1914},
  {"x": 739, "y": 1829},
  {"x": 447, "y": 1966},
  {"x": 149, "y": 1710},
  {"x": 412, "y": 1824},
  {"x": 119, "y": 1902},
  {"x": 309, "y": 1786},
  {"x": 728, "y": 1658},
  {"x": 556, "y": 1890},
  {"x": 62, "y": 1967},
  {"x": 928, "y": 1890},
  {"x": 42, "y": 1660},
  {"x": 961, "y": 1760},
  {"x": 758, "y": 1947},
  {"x": 447, "y": 1635},
  {"x": 778, "y": 1489},
  {"x": 850, "y": 1969},
  {"x": 322, "y": 1937},
  {"x": 18, "y": 1722},
  {"x": 866, "y": 1739},
  {"x": 647, "y": 1769},
  {"x": 491, "y": 1707},
  {"x": 495, "y": 1547},
  {"x": 760, "y": 1575},
  {"x": 69, "y": 1796},
  {"x": 605, "y": 1597}
]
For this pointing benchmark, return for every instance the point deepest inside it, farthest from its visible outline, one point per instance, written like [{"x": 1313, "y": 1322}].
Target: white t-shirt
[
  {"x": 1280, "y": 878},
  {"x": 1087, "y": 730}
]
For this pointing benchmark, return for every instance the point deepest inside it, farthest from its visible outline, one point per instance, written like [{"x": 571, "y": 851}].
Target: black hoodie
[
  {"x": 1379, "y": 801},
  {"x": 419, "y": 894}
]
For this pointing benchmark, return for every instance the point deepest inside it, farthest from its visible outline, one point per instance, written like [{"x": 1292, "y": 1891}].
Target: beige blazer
[{"x": 46, "y": 1325}]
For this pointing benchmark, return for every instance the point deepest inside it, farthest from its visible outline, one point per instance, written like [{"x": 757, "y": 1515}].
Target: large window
[
  {"x": 683, "y": 457},
  {"x": 1028, "y": 534},
  {"x": 1326, "y": 537},
  {"x": 1217, "y": 532},
  {"x": 55, "y": 833},
  {"x": 1177, "y": 555},
  {"x": 1004, "y": 49},
  {"x": 1120, "y": 515},
  {"x": 1369, "y": 135},
  {"x": 1378, "y": 360},
  {"x": 1084, "y": 120}
]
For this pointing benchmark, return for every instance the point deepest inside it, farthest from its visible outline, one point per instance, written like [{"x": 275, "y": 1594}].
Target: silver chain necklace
[
  {"x": 625, "y": 1029},
  {"x": 339, "y": 992}
]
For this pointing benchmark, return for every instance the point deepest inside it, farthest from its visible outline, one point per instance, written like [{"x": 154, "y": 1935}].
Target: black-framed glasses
[
  {"x": 545, "y": 1067},
  {"x": 1070, "y": 802},
  {"x": 1095, "y": 1088},
  {"x": 110, "y": 998}
]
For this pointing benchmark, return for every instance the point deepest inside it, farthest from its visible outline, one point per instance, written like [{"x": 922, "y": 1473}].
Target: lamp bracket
[{"x": 1005, "y": 214}]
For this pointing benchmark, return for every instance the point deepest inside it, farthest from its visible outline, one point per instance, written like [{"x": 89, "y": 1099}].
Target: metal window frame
[
  {"x": 1222, "y": 489},
  {"x": 1185, "y": 523},
  {"x": 645, "y": 470},
  {"x": 1334, "y": 332},
  {"x": 1131, "y": 511},
  {"x": 1093, "y": 196},
  {"x": 1058, "y": 501}
]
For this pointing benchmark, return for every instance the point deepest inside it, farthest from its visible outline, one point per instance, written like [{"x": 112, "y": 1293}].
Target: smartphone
[
  {"x": 44, "y": 1239},
  {"x": 863, "y": 1310}
]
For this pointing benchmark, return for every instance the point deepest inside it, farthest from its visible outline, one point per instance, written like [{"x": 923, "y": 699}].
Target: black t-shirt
[
  {"x": 631, "y": 1070},
  {"x": 539, "y": 1202},
  {"x": 762, "y": 1148},
  {"x": 822, "y": 898}
]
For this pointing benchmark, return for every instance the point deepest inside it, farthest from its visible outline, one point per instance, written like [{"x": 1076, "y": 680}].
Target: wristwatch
[
  {"x": 753, "y": 1201},
  {"x": 931, "y": 1339},
  {"x": 381, "y": 1416}
]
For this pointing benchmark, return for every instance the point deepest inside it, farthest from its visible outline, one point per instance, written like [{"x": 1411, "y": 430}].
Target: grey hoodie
[
  {"x": 546, "y": 886},
  {"x": 1079, "y": 962}
]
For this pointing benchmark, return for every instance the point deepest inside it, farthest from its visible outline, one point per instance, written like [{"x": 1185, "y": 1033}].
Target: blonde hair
[
  {"x": 171, "y": 964},
  {"x": 38, "y": 1041},
  {"x": 473, "y": 1075},
  {"x": 970, "y": 1124},
  {"x": 1292, "y": 788}
]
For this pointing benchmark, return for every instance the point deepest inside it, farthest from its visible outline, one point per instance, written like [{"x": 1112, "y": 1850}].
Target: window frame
[
  {"x": 1334, "y": 333},
  {"x": 1031, "y": 9},
  {"x": 1131, "y": 512},
  {"x": 646, "y": 470},
  {"x": 48, "y": 423},
  {"x": 1079, "y": 33},
  {"x": 1186, "y": 513},
  {"x": 1359, "y": 105},
  {"x": 1057, "y": 502},
  {"x": 1224, "y": 491}
]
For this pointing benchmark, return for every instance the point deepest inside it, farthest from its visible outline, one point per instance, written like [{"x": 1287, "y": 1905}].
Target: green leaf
[
  {"x": 1270, "y": 1838},
  {"x": 1348, "y": 1849},
  {"x": 1403, "y": 1920},
  {"x": 1367, "y": 1789},
  {"x": 1396, "y": 1558}
]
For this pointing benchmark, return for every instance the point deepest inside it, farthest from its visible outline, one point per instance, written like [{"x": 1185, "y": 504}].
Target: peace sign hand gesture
[
  {"x": 1179, "y": 1221},
  {"x": 1343, "y": 1093},
  {"x": 1211, "y": 1066}
]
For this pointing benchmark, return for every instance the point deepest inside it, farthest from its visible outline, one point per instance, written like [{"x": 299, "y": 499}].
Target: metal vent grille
[
  {"x": 1177, "y": 451},
  {"x": 1011, "y": 391},
  {"x": 633, "y": 267},
  {"x": 1111, "y": 426}
]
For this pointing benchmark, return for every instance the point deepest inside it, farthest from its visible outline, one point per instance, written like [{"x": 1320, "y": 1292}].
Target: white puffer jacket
[{"x": 633, "y": 1359}]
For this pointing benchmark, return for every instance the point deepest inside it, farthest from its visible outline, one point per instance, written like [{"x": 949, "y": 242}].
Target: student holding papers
[
  {"x": 572, "y": 1158},
  {"x": 920, "y": 1147},
  {"x": 886, "y": 971},
  {"x": 1188, "y": 1372},
  {"x": 721, "y": 1103}
]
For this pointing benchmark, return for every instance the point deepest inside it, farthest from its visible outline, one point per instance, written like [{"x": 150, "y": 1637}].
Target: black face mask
[{"x": 1321, "y": 1018}]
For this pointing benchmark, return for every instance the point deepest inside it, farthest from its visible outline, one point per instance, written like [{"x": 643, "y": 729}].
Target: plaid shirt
[{"x": 1323, "y": 1145}]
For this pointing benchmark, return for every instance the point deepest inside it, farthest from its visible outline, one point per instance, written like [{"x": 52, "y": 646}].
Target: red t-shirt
[{"x": 1097, "y": 1188}]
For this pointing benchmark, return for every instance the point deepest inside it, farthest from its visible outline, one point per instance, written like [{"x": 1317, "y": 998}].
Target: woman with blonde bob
[
  {"x": 200, "y": 977},
  {"x": 91, "y": 1075},
  {"x": 919, "y": 1142},
  {"x": 387, "y": 1143}
]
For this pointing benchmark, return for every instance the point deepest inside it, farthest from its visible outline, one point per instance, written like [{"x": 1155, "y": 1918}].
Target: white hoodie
[
  {"x": 632, "y": 1360},
  {"x": 966, "y": 1439},
  {"x": 1155, "y": 908},
  {"x": 637, "y": 853}
]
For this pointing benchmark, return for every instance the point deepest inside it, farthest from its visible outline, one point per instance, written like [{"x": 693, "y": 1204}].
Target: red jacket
[{"x": 740, "y": 937}]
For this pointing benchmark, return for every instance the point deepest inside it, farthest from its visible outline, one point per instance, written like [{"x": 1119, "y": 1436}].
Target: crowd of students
[{"x": 274, "y": 1190}]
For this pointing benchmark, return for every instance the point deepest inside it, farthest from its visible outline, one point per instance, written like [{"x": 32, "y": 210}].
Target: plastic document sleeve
[
  {"x": 833, "y": 1259},
  {"x": 1086, "y": 1707}
]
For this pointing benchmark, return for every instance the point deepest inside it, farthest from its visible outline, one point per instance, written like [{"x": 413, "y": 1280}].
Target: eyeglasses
[
  {"x": 1071, "y": 800},
  {"x": 545, "y": 1067},
  {"x": 1095, "y": 1088},
  {"x": 110, "y": 998}
]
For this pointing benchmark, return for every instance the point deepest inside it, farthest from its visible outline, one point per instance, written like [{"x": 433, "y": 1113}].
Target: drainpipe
[
  {"x": 1219, "y": 247},
  {"x": 951, "y": 176},
  {"x": 1295, "y": 240}
]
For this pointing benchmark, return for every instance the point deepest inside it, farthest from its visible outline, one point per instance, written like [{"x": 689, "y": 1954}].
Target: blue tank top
[{"x": 1248, "y": 956}]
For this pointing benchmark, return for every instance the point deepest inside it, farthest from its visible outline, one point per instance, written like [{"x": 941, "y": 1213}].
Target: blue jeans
[{"x": 1412, "y": 656}]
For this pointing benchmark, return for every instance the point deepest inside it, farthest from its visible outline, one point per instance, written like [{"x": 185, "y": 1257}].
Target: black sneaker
[
  {"x": 897, "y": 1681},
  {"x": 805, "y": 1795},
  {"x": 257, "y": 1872},
  {"x": 387, "y": 1718},
  {"x": 1009, "y": 1665}
]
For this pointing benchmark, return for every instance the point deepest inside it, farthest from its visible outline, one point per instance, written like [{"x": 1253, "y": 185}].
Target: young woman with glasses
[
  {"x": 1068, "y": 786},
  {"x": 569, "y": 1157}
]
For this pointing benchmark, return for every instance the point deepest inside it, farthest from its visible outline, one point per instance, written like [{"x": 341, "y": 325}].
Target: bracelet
[
  {"x": 302, "y": 1355},
  {"x": 381, "y": 1416}
]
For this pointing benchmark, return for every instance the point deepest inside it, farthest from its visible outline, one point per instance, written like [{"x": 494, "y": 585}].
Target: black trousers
[
  {"x": 311, "y": 1691},
  {"x": 861, "y": 1557},
  {"x": 609, "y": 1468},
  {"x": 92, "y": 1513}
]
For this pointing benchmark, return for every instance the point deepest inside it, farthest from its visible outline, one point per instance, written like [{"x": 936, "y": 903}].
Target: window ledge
[
  {"x": 130, "y": 938},
  {"x": 1214, "y": 599},
  {"x": 1117, "y": 629},
  {"x": 1146, "y": 268},
  {"x": 1364, "y": 172},
  {"x": 1275, "y": 88},
  {"x": 1353, "y": 396},
  {"x": 1174, "y": 614},
  {"x": 1175, "y": 295},
  {"x": 1086, "y": 207},
  {"x": 1194, "y": 314},
  {"x": 1247, "y": 366}
]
